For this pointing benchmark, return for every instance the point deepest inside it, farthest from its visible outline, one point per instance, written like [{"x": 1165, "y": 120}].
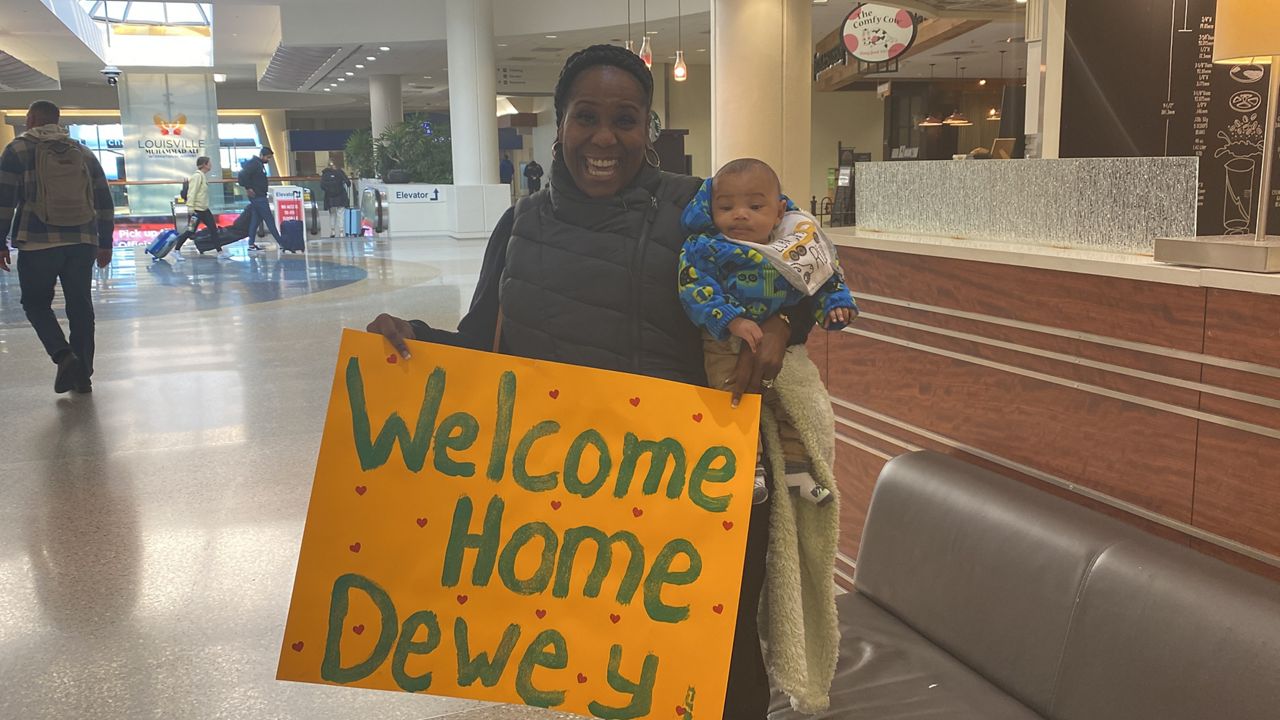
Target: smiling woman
[{"x": 584, "y": 272}]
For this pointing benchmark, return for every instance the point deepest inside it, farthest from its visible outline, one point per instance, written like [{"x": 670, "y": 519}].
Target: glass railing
[{"x": 225, "y": 196}]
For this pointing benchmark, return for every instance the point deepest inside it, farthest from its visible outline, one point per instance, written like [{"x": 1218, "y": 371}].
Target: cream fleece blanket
[{"x": 798, "y": 623}]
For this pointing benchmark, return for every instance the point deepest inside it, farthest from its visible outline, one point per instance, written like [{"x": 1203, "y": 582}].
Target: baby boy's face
[{"x": 746, "y": 206}]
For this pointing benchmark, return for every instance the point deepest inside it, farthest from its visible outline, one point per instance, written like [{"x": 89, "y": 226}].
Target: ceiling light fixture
[
  {"x": 630, "y": 44},
  {"x": 328, "y": 89},
  {"x": 350, "y": 74},
  {"x": 342, "y": 79},
  {"x": 958, "y": 118},
  {"x": 371, "y": 58},
  {"x": 646, "y": 50},
  {"x": 551, "y": 37},
  {"x": 360, "y": 67},
  {"x": 384, "y": 48},
  {"x": 930, "y": 120},
  {"x": 679, "y": 71},
  {"x": 219, "y": 77}
]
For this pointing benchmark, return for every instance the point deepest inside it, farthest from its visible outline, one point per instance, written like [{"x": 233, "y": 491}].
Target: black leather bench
[{"x": 978, "y": 597}]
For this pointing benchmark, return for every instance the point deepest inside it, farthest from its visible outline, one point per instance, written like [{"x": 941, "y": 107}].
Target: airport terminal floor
[{"x": 149, "y": 531}]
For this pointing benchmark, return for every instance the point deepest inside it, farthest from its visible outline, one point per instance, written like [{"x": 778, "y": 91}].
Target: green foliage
[
  {"x": 404, "y": 147},
  {"x": 359, "y": 154}
]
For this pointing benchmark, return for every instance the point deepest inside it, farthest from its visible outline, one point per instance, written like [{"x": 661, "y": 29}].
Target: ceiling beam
[{"x": 931, "y": 34}]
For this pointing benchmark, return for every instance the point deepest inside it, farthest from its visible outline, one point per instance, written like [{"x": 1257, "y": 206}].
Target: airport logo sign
[{"x": 170, "y": 143}]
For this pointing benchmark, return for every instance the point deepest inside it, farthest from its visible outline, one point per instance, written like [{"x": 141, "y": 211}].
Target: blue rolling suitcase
[
  {"x": 163, "y": 244},
  {"x": 352, "y": 222},
  {"x": 293, "y": 236}
]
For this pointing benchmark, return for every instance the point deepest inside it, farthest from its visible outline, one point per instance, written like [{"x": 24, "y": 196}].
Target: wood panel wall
[{"x": 1157, "y": 404}]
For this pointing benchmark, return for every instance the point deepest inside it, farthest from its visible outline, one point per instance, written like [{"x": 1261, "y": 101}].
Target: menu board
[{"x": 1139, "y": 80}]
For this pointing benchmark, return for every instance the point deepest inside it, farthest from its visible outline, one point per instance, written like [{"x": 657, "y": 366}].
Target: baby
[{"x": 752, "y": 254}]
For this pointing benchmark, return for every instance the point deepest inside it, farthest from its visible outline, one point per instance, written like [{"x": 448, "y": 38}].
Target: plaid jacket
[{"x": 18, "y": 187}]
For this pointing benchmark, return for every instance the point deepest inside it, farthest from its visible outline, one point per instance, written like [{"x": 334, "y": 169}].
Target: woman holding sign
[{"x": 583, "y": 273}]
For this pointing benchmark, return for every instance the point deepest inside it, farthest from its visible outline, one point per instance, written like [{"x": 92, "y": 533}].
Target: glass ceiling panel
[{"x": 148, "y": 13}]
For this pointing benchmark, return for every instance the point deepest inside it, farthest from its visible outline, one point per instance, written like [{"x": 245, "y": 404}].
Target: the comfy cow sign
[{"x": 878, "y": 33}]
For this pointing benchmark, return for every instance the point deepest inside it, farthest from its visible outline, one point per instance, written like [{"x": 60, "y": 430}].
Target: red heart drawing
[
  {"x": 354, "y": 547},
  {"x": 555, "y": 504},
  {"x": 358, "y": 629},
  {"x": 540, "y": 613},
  {"x": 637, "y": 512},
  {"x": 422, "y": 522},
  {"x": 554, "y": 394},
  {"x": 615, "y": 619},
  {"x": 697, "y": 417},
  {"x": 581, "y": 678},
  {"x": 297, "y": 647},
  {"x": 680, "y": 710},
  {"x": 635, "y": 402},
  {"x": 393, "y": 358},
  {"x": 717, "y": 608},
  {"x": 462, "y": 599},
  {"x": 727, "y": 524},
  {"x": 360, "y": 489}
]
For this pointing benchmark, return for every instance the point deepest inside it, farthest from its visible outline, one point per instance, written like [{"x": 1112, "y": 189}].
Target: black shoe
[
  {"x": 69, "y": 373},
  {"x": 84, "y": 387},
  {"x": 254, "y": 247}
]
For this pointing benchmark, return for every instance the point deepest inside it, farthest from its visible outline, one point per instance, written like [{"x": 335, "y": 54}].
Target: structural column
[
  {"x": 386, "y": 102},
  {"x": 473, "y": 119},
  {"x": 761, "y": 86}
]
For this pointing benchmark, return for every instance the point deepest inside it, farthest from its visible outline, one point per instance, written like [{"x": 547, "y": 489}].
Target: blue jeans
[
  {"x": 39, "y": 273},
  {"x": 261, "y": 214}
]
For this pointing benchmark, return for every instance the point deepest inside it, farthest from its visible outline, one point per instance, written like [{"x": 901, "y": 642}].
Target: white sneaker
[
  {"x": 177, "y": 256},
  {"x": 223, "y": 254}
]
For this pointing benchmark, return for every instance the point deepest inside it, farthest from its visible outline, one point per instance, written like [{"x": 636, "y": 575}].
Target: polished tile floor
[{"x": 149, "y": 531}]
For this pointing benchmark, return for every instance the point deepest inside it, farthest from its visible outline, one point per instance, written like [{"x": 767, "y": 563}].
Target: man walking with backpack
[
  {"x": 56, "y": 208},
  {"x": 253, "y": 178}
]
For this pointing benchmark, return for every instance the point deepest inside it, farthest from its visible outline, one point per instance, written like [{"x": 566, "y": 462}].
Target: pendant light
[
  {"x": 630, "y": 44},
  {"x": 958, "y": 118},
  {"x": 994, "y": 115},
  {"x": 679, "y": 71},
  {"x": 646, "y": 51},
  {"x": 931, "y": 120}
]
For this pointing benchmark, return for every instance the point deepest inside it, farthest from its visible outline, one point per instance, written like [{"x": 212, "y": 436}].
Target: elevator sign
[{"x": 878, "y": 33}]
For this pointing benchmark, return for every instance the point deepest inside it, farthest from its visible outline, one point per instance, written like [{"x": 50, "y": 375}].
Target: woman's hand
[
  {"x": 394, "y": 329},
  {"x": 758, "y": 368}
]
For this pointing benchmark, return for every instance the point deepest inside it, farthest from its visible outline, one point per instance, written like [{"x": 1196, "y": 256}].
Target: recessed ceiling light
[
  {"x": 371, "y": 58},
  {"x": 652, "y": 32},
  {"x": 551, "y": 37},
  {"x": 384, "y": 48},
  {"x": 502, "y": 44},
  {"x": 360, "y": 67},
  {"x": 426, "y": 77},
  {"x": 333, "y": 84},
  {"x": 328, "y": 89},
  {"x": 219, "y": 77},
  {"x": 702, "y": 49},
  {"x": 349, "y": 74},
  {"x": 342, "y": 79}
]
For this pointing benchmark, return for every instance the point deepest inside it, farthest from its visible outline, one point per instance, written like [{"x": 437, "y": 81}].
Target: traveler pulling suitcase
[
  {"x": 163, "y": 243},
  {"x": 207, "y": 239},
  {"x": 352, "y": 222},
  {"x": 293, "y": 236}
]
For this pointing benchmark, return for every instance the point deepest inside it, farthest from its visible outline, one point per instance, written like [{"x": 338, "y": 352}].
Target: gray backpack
[{"x": 64, "y": 189}]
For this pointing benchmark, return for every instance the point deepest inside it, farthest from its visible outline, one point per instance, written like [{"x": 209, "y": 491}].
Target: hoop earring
[
  {"x": 654, "y": 160},
  {"x": 557, "y": 149}
]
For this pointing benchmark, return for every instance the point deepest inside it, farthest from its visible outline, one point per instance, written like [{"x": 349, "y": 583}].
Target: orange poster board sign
[{"x": 503, "y": 529}]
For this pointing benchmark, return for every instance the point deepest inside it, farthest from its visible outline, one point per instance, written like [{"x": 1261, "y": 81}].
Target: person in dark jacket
[
  {"x": 334, "y": 183},
  {"x": 253, "y": 178},
  {"x": 549, "y": 286},
  {"x": 533, "y": 174}
]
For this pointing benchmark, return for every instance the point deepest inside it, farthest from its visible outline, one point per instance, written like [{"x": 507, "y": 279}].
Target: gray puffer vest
[{"x": 593, "y": 282}]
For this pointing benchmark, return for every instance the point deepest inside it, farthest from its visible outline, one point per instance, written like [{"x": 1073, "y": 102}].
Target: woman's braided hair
[{"x": 595, "y": 56}]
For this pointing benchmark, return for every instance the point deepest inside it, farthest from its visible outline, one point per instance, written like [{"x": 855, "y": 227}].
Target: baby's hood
[{"x": 697, "y": 218}]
